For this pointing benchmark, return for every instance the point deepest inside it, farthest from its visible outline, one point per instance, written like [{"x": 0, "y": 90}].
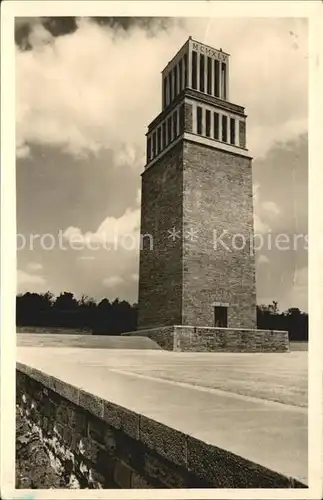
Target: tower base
[{"x": 210, "y": 339}]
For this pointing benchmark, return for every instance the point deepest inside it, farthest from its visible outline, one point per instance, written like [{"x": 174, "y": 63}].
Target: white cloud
[
  {"x": 301, "y": 277},
  {"x": 264, "y": 212},
  {"x": 112, "y": 281},
  {"x": 34, "y": 266},
  {"x": 260, "y": 227},
  {"x": 270, "y": 207},
  {"x": 262, "y": 259},
  {"x": 114, "y": 249},
  {"x": 86, "y": 257},
  {"x": 28, "y": 282},
  {"x": 93, "y": 89},
  {"x": 297, "y": 295},
  {"x": 22, "y": 151},
  {"x": 117, "y": 232},
  {"x": 39, "y": 36}
]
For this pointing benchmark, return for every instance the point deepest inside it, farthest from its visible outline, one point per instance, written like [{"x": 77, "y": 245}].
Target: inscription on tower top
[{"x": 208, "y": 51}]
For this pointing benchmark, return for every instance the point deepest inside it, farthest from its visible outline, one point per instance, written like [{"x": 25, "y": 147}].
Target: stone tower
[{"x": 197, "y": 267}]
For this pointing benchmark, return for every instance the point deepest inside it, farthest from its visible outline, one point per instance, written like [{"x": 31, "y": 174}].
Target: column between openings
[
  {"x": 237, "y": 141},
  {"x": 203, "y": 121},
  {"x": 205, "y": 74},
  {"x": 189, "y": 69},
  {"x": 220, "y": 81},
  {"x": 183, "y": 72},
  {"x": 194, "y": 118},
  {"x": 167, "y": 90},
  {"x": 178, "y": 122},
  {"x": 149, "y": 148},
  {"x": 212, "y": 120},
  {"x": 220, "y": 126},
  {"x": 178, "y": 79},
  {"x": 173, "y": 85},
  {"x": 198, "y": 70},
  {"x": 212, "y": 78}
]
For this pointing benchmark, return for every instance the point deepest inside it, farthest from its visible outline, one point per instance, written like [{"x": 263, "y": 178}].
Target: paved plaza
[{"x": 254, "y": 405}]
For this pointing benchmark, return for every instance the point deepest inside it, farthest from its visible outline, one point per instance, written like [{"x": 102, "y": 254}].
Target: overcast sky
[{"x": 86, "y": 90}]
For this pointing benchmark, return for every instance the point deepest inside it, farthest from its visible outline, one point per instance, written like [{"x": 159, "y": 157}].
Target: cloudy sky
[{"x": 86, "y": 90}]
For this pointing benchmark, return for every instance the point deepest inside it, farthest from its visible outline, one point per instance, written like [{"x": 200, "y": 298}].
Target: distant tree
[
  {"x": 66, "y": 301},
  {"x": 269, "y": 308},
  {"x": 104, "y": 304},
  {"x": 293, "y": 320},
  {"x": 32, "y": 308},
  {"x": 87, "y": 309},
  {"x": 274, "y": 307},
  {"x": 87, "y": 302}
]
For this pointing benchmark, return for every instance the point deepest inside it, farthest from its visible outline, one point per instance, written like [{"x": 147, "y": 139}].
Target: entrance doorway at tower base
[{"x": 215, "y": 339}]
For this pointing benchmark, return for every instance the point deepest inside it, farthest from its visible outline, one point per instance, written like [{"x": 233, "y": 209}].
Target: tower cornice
[{"x": 199, "y": 97}]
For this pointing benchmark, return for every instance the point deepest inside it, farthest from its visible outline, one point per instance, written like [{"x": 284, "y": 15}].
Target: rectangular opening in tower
[
  {"x": 185, "y": 70},
  {"x": 232, "y": 131},
  {"x": 175, "y": 81},
  {"x": 199, "y": 120},
  {"x": 209, "y": 75},
  {"x": 194, "y": 69},
  {"x": 202, "y": 80},
  {"x": 208, "y": 123},
  {"x": 216, "y": 78},
  {"x": 171, "y": 88},
  {"x": 224, "y": 128},
  {"x": 216, "y": 128},
  {"x": 164, "y": 92},
  {"x": 220, "y": 316}
]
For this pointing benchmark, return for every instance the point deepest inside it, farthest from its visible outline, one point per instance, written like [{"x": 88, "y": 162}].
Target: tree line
[
  {"x": 103, "y": 318},
  {"x": 113, "y": 318},
  {"x": 293, "y": 320}
]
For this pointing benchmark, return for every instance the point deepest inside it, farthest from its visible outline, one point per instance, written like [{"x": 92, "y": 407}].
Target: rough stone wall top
[{"x": 102, "y": 444}]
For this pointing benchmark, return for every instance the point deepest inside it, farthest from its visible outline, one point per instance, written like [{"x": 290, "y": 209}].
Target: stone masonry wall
[
  {"x": 160, "y": 273},
  {"x": 205, "y": 196},
  {"x": 242, "y": 133},
  {"x": 97, "y": 444},
  {"x": 188, "y": 117},
  {"x": 217, "y": 206},
  {"x": 204, "y": 339},
  {"x": 164, "y": 336},
  {"x": 190, "y": 339}
]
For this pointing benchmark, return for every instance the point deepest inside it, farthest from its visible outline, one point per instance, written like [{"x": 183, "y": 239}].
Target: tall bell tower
[{"x": 197, "y": 267}]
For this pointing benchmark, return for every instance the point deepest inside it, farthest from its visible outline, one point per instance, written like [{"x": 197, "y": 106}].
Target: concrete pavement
[{"x": 270, "y": 433}]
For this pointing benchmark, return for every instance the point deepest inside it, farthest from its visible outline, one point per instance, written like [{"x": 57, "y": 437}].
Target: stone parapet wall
[
  {"x": 208, "y": 339},
  {"x": 98, "y": 444},
  {"x": 163, "y": 336},
  {"x": 229, "y": 340}
]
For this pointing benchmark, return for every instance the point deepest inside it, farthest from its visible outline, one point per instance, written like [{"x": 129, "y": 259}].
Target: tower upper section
[
  {"x": 199, "y": 67},
  {"x": 195, "y": 104}
]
